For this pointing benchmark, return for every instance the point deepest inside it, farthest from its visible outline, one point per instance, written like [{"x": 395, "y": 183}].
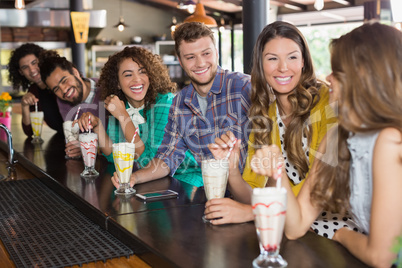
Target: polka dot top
[{"x": 290, "y": 168}]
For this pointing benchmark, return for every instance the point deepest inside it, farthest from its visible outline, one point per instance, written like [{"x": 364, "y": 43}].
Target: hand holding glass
[
  {"x": 215, "y": 174},
  {"x": 123, "y": 157},
  {"x": 70, "y": 133}
]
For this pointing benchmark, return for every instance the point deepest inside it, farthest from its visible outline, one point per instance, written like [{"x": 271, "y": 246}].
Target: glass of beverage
[
  {"x": 36, "y": 122},
  {"x": 123, "y": 157},
  {"x": 89, "y": 148},
  {"x": 215, "y": 174},
  {"x": 70, "y": 133},
  {"x": 269, "y": 208}
]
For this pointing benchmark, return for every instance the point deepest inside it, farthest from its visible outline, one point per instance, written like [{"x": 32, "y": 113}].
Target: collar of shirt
[
  {"x": 135, "y": 115},
  {"x": 91, "y": 94},
  {"x": 190, "y": 98}
]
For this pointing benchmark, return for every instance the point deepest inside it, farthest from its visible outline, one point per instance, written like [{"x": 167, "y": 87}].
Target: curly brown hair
[
  {"x": 369, "y": 73},
  {"x": 158, "y": 74},
  {"x": 303, "y": 98},
  {"x": 14, "y": 75}
]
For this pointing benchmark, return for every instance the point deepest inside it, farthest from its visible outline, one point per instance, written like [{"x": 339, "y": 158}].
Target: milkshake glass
[
  {"x": 70, "y": 133},
  {"x": 215, "y": 174},
  {"x": 123, "y": 157},
  {"x": 36, "y": 123},
  {"x": 89, "y": 148},
  {"x": 269, "y": 208}
]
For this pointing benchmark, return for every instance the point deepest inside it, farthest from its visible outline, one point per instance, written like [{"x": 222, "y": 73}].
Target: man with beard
[
  {"x": 24, "y": 72},
  {"x": 72, "y": 91},
  {"x": 215, "y": 102}
]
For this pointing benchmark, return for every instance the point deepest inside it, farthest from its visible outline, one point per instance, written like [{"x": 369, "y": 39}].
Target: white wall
[{"x": 144, "y": 21}]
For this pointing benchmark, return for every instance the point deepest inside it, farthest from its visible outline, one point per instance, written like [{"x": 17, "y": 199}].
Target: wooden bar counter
[{"x": 167, "y": 233}]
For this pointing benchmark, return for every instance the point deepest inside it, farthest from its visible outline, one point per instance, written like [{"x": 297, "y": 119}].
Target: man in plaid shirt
[{"x": 215, "y": 102}]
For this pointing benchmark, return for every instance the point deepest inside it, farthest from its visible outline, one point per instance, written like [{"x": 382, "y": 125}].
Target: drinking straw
[
  {"x": 36, "y": 107},
  {"x": 89, "y": 124},
  {"x": 135, "y": 134},
  {"x": 278, "y": 175},
  {"x": 231, "y": 149},
  {"x": 78, "y": 111}
]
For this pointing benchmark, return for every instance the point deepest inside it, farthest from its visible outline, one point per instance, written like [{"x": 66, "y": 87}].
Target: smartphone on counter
[{"x": 158, "y": 195}]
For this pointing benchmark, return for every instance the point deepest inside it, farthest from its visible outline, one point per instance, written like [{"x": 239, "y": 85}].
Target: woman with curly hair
[
  {"x": 361, "y": 169},
  {"x": 24, "y": 72},
  {"x": 290, "y": 108},
  {"x": 138, "y": 93}
]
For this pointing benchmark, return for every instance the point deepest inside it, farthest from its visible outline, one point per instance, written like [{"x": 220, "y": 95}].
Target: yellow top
[{"x": 322, "y": 118}]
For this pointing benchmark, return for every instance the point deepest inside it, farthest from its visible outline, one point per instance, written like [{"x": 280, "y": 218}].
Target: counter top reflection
[{"x": 163, "y": 233}]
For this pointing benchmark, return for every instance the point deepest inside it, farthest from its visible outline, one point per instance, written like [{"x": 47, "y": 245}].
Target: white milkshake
[
  {"x": 71, "y": 132},
  {"x": 269, "y": 208},
  {"x": 123, "y": 157},
  {"x": 36, "y": 123},
  {"x": 215, "y": 176},
  {"x": 89, "y": 148}
]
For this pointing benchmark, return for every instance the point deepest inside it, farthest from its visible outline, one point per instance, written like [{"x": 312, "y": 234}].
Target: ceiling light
[
  {"x": 200, "y": 16},
  {"x": 121, "y": 25},
  {"x": 319, "y": 4},
  {"x": 19, "y": 4},
  {"x": 173, "y": 25},
  {"x": 222, "y": 25}
]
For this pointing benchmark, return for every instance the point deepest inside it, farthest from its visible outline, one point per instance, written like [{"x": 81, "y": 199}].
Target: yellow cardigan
[{"x": 322, "y": 118}]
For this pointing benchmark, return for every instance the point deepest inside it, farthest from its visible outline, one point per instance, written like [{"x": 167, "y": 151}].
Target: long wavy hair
[
  {"x": 369, "y": 74},
  {"x": 303, "y": 97},
  {"x": 158, "y": 74},
  {"x": 14, "y": 75}
]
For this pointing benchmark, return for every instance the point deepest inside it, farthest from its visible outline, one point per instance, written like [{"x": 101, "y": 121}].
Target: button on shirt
[{"x": 188, "y": 129}]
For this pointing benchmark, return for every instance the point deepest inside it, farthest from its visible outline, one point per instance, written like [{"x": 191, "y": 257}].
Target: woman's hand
[
  {"x": 267, "y": 160},
  {"x": 227, "y": 146},
  {"x": 115, "y": 106},
  {"x": 83, "y": 122},
  {"x": 225, "y": 210},
  {"x": 115, "y": 180}
]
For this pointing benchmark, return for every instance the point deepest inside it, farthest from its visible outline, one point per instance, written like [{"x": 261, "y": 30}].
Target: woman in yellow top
[{"x": 290, "y": 108}]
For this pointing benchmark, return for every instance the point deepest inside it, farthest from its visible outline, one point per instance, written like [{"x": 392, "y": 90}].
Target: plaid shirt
[
  {"x": 151, "y": 133},
  {"x": 188, "y": 129}
]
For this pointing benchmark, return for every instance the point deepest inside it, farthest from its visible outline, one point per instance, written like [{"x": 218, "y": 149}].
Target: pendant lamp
[
  {"x": 19, "y": 4},
  {"x": 200, "y": 16},
  {"x": 121, "y": 25}
]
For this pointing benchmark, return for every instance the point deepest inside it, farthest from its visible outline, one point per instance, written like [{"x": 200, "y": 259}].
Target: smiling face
[
  {"x": 199, "y": 60},
  {"x": 134, "y": 81},
  {"x": 66, "y": 86},
  {"x": 282, "y": 64},
  {"x": 30, "y": 69}
]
